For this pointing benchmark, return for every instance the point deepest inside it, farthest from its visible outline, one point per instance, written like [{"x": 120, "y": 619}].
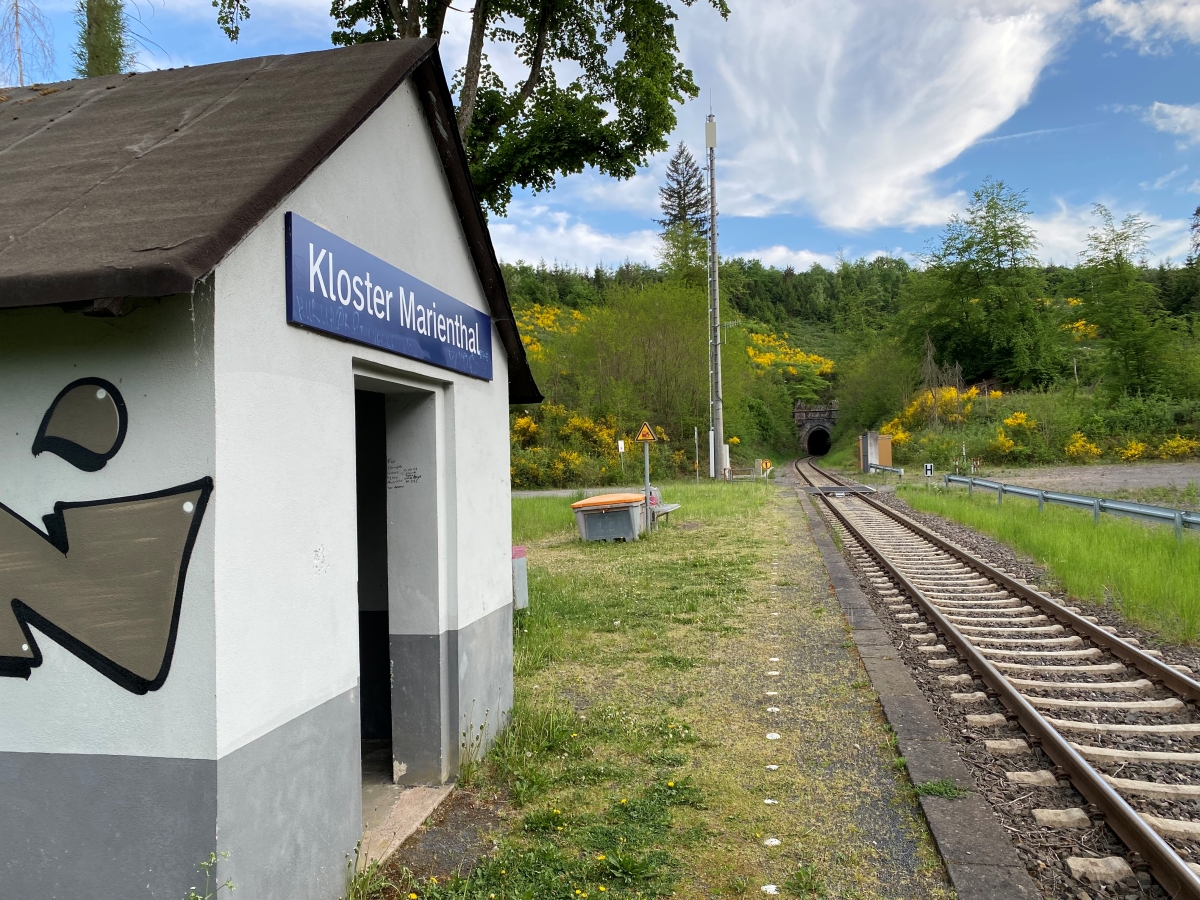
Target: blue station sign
[{"x": 340, "y": 289}]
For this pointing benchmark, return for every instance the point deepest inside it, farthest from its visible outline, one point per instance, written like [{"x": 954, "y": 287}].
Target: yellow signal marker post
[{"x": 646, "y": 437}]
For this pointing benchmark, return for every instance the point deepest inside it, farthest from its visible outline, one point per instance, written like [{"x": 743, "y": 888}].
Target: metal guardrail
[
  {"x": 874, "y": 467},
  {"x": 1180, "y": 518}
]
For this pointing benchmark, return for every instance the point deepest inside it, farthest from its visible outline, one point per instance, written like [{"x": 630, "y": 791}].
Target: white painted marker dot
[
  {"x": 188, "y": 506},
  {"x": 773, "y": 659},
  {"x": 772, "y": 709},
  {"x": 24, "y": 648},
  {"x": 772, "y": 672},
  {"x": 771, "y": 842},
  {"x": 772, "y": 736},
  {"x": 101, "y": 394}
]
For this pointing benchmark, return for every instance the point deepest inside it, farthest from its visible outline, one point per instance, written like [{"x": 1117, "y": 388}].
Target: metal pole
[
  {"x": 646, "y": 458},
  {"x": 696, "y": 435},
  {"x": 714, "y": 295}
]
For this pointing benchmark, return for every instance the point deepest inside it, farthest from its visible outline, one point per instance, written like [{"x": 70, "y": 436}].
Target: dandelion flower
[
  {"x": 670, "y": 784},
  {"x": 623, "y": 800},
  {"x": 412, "y": 897},
  {"x": 600, "y": 857},
  {"x": 574, "y": 735}
]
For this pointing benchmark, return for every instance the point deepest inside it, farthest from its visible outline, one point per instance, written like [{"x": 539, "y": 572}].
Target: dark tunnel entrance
[{"x": 818, "y": 442}]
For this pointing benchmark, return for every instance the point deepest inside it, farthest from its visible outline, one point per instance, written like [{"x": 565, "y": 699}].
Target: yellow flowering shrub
[
  {"x": 953, "y": 406},
  {"x": 767, "y": 350},
  {"x": 601, "y": 435},
  {"x": 1073, "y": 301},
  {"x": 1083, "y": 330},
  {"x": 1132, "y": 450},
  {"x": 565, "y": 466},
  {"x": 525, "y": 431},
  {"x": 734, "y": 440},
  {"x": 1178, "y": 447},
  {"x": 536, "y": 321},
  {"x": 995, "y": 395},
  {"x": 1080, "y": 449},
  {"x": 899, "y": 436},
  {"x": 1003, "y": 443},
  {"x": 1020, "y": 420}
]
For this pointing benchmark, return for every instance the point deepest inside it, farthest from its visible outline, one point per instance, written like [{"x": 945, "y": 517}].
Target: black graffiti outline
[
  {"x": 56, "y": 535},
  {"x": 79, "y": 456}
]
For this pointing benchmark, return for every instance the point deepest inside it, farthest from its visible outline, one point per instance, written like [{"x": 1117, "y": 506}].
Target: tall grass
[
  {"x": 1142, "y": 569},
  {"x": 536, "y": 517}
]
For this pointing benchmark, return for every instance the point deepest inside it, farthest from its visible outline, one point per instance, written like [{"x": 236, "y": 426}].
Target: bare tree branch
[
  {"x": 535, "y": 65},
  {"x": 470, "y": 88}
]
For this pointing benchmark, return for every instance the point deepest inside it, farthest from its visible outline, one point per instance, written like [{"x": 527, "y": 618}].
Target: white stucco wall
[
  {"x": 285, "y": 577},
  {"x": 160, "y": 358}
]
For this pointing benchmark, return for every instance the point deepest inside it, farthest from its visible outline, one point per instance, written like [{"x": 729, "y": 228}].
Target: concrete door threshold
[
  {"x": 409, "y": 808},
  {"x": 979, "y": 856}
]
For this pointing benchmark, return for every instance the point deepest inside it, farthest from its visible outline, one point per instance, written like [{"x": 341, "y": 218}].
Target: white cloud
[
  {"x": 1152, "y": 24},
  {"x": 1174, "y": 118},
  {"x": 535, "y": 233},
  {"x": 845, "y": 110},
  {"x": 781, "y": 257},
  {"x": 1063, "y": 234},
  {"x": 1163, "y": 180}
]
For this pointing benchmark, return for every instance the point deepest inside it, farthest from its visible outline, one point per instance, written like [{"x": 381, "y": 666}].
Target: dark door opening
[
  {"x": 374, "y": 651},
  {"x": 818, "y": 442}
]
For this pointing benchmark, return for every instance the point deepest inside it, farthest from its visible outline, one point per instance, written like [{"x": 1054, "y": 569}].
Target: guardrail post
[
  {"x": 1096, "y": 510},
  {"x": 970, "y": 485},
  {"x": 1179, "y": 524},
  {"x": 1041, "y": 501},
  {"x": 1000, "y": 494}
]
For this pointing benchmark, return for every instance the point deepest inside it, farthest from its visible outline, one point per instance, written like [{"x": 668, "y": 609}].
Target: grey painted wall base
[
  {"x": 289, "y": 806},
  {"x": 444, "y": 685},
  {"x": 90, "y": 825}
]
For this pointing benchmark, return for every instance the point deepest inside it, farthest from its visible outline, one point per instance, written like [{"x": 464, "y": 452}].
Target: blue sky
[{"x": 851, "y": 126}]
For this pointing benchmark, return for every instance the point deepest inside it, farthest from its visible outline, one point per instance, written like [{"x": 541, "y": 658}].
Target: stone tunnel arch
[{"x": 815, "y": 426}]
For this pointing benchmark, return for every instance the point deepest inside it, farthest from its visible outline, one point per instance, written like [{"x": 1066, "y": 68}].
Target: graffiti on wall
[{"x": 105, "y": 578}]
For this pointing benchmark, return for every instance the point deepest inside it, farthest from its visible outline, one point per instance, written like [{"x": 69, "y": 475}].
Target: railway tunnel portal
[{"x": 815, "y": 426}]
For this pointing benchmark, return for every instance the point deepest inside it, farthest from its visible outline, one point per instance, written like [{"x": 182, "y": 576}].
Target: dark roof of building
[{"x": 129, "y": 186}]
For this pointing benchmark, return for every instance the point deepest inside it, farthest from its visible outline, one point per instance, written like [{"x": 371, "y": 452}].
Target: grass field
[
  {"x": 1153, "y": 579},
  {"x": 633, "y": 766}
]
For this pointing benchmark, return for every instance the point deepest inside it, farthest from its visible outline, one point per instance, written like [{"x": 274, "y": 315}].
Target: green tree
[
  {"x": 26, "y": 42},
  {"x": 684, "y": 197},
  {"x": 105, "y": 45},
  {"x": 980, "y": 297},
  {"x": 601, "y": 82},
  {"x": 1125, "y": 308}
]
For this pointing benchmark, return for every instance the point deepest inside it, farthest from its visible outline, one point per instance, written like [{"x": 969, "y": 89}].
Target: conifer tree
[
  {"x": 684, "y": 198},
  {"x": 26, "y": 42},
  {"x": 105, "y": 44}
]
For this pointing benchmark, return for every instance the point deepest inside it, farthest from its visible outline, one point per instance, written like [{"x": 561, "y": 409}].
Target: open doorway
[{"x": 374, "y": 651}]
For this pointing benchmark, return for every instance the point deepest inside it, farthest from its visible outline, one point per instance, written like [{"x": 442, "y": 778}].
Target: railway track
[{"x": 1119, "y": 723}]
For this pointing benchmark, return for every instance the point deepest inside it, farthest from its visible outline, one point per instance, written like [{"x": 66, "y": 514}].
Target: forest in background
[{"x": 979, "y": 351}]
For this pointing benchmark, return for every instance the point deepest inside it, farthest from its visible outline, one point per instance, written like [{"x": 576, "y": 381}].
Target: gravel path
[{"x": 1103, "y": 480}]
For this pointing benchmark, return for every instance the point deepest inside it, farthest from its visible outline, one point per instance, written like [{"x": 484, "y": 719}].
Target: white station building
[{"x": 256, "y": 358}]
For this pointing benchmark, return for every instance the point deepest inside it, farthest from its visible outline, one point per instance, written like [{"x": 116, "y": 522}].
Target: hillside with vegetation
[{"x": 978, "y": 351}]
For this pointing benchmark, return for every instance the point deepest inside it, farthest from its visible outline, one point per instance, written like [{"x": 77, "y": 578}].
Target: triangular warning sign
[{"x": 646, "y": 434}]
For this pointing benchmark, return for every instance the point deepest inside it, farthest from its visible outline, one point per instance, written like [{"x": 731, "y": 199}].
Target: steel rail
[
  {"x": 1127, "y": 653},
  {"x": 1171, "y": 872}
]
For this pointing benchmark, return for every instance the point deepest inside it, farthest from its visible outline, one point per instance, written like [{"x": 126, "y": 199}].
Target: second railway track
[{"x": 1119, "y": 723}]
